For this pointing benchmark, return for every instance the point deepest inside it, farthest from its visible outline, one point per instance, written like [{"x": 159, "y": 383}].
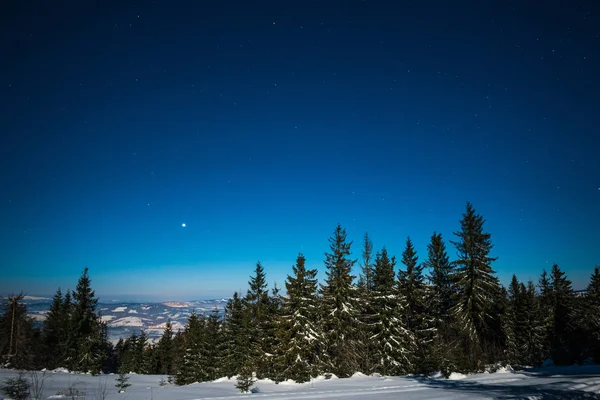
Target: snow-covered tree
[
  {"x": 562, "y": 300},
  {"x": 532, "y": 342},
  {"x": 340, "y": 311},
  {"x": 477, "y": 290},
  {"x": 440, "y": 278},
  {"x": 365, "y": 295},
  {"x": 164, "y": 351},
  {"x": 440, "y": 302},
  {"x": 592, "y": 314},
  {"x": 19, "y": 339},
  {"x": 394, "y": 344},
  {"x": 512, "y": 322},
  {"x": 235, "y": 336},
  {"x": 211, "y": 351},
  {"x": 418, "y": 320},
  {"x": 88, "y": 351},
  {"x": 258, "y": 308},
  {"x": 300, "y": 355},
  {"x": 191, "y": 370}
]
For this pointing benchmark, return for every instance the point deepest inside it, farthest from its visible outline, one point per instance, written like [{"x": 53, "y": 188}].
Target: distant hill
[{"x": 125, "y": 318}]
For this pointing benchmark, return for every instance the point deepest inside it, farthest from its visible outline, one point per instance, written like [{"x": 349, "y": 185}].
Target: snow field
[{"x": 544, "y": 383}]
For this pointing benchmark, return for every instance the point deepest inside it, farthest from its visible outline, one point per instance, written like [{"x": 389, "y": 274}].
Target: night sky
[{"x": 261, "y": 125}]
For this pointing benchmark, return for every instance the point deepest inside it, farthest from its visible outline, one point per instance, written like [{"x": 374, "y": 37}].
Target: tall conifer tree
[
  {"x": 339, "y": 306},
  {"x": 419, "y": 321},
  {"x": 301, "y": 354},
  {"x": 393, "y": 344},
  {"x": 477, "y": 290}
]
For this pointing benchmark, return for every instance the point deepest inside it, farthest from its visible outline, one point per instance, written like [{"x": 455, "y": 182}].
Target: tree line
[{"x": 436, "y": 315}]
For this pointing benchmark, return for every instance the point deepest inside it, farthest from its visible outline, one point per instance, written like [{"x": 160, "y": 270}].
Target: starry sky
[{"x": 261, "y": 125}]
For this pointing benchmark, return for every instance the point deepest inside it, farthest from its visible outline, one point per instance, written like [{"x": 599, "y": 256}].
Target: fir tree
[
  {"x": 190, "y": 370},
  {"x": 418, "y": 321},
  {"x": 477, "y": 290},
  {"x": 365, "y": 281},
  {"x": 440, "y": 277},
  {"x": 235, "y": 336},
  {"x": 592, "y": 314},
  {"x": 164, "y": 351},
  {"x": 512, "y": 322},
  {"x": 339, "y": 305},
  {"x": 532, "y": 344},
  {"x": 211, "y": 356},
  {"x": 17, "y": 388},
  {"x": 122, "y": 382},
  {"x": 257, "y": 300},
  {"x": 87, "y": 337},
  {"x": 245, "y": 378},
  {"x": 53, "y": 332},
  {"x": 19, "y": 339},
  {"x": 394, "y": 344},
  {"x": 178, "y": 351},
  {"x": 562, "y": 301},
  {"x": 365, "y": 295},
  {"x": 441, "y": 301},
  {"x": 271, "y": 326},
  {"x": 300, "y": 356},
  {"x": 546, "y": 310}
]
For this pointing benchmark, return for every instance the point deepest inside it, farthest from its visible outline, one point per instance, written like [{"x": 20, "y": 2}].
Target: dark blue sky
[{"x": 261, "y": 125}]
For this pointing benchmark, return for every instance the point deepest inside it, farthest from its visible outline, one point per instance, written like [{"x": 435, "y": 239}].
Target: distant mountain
[{"x": 125, "y": 318}]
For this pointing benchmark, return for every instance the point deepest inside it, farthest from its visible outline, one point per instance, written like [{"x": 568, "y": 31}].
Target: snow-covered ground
[{"x": 548, "y": 383}]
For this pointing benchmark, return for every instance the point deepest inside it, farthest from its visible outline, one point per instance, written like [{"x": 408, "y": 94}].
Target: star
[{"x": 183, "y": 225}]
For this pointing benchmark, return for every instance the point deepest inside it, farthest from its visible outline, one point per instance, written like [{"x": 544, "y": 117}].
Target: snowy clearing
[{"x": 548, "y": 383}]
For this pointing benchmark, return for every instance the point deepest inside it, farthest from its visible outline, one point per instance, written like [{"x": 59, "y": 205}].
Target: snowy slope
[{"x": 567, "y": 383}]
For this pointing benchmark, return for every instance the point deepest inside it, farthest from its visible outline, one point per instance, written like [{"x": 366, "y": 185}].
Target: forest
[{"x": 395, "y": 317}]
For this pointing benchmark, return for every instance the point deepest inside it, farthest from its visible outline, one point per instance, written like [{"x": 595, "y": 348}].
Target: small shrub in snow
[
  {"x": 163, "y": 382},
  {"x": 328, "y": 375},
  {"x": 122, "y": 383},
  {"x": 16, "y": 388},
  {"x": 245, "y": 380},
  {"x": 255, "y": 389}
]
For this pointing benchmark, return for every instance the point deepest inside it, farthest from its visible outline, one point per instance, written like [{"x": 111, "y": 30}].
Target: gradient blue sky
[{"x": 261, "y": 126}]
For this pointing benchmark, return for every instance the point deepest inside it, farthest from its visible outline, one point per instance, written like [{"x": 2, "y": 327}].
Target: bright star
[{"x": 183, "y": 225}]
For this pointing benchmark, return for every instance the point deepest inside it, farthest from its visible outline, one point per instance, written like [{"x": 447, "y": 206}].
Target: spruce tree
[
  {"x": 394, "y": 344},
  {"x": 164, "y": 351},
  {"x": 211, "y": 349},
  {"x": 441, "y": 301},
  {"x": 546, "y": 311},
  {"x": 271, "y": 338},
  {"x": 592, "y": 314},
  {"x": 477, "y": 291},
  {"x": 512, "y": 320},
  {"x": 235, "y": 336},
  {"x": 365, "y": 281},
  {"x": 178, "y": 352},
  {"x": 440, "y": 278},
  {"x": 562, "y": 300},
  {"x": 19, "y": 339},
  {"x": 88, "y": 347},
  {"x": 340, "y": 310},
  {"x": 532, "y": 344},
  {"x": 122, "y": 382},
  {"x": 365, "y": 295},
  {"x": 257, "y": 300},
  {"x": 416, "y": 295},
  {"x": 191, "y": 368},
  {"x": 53, "y": 333},
  {"x": 301, "y": 353}
]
